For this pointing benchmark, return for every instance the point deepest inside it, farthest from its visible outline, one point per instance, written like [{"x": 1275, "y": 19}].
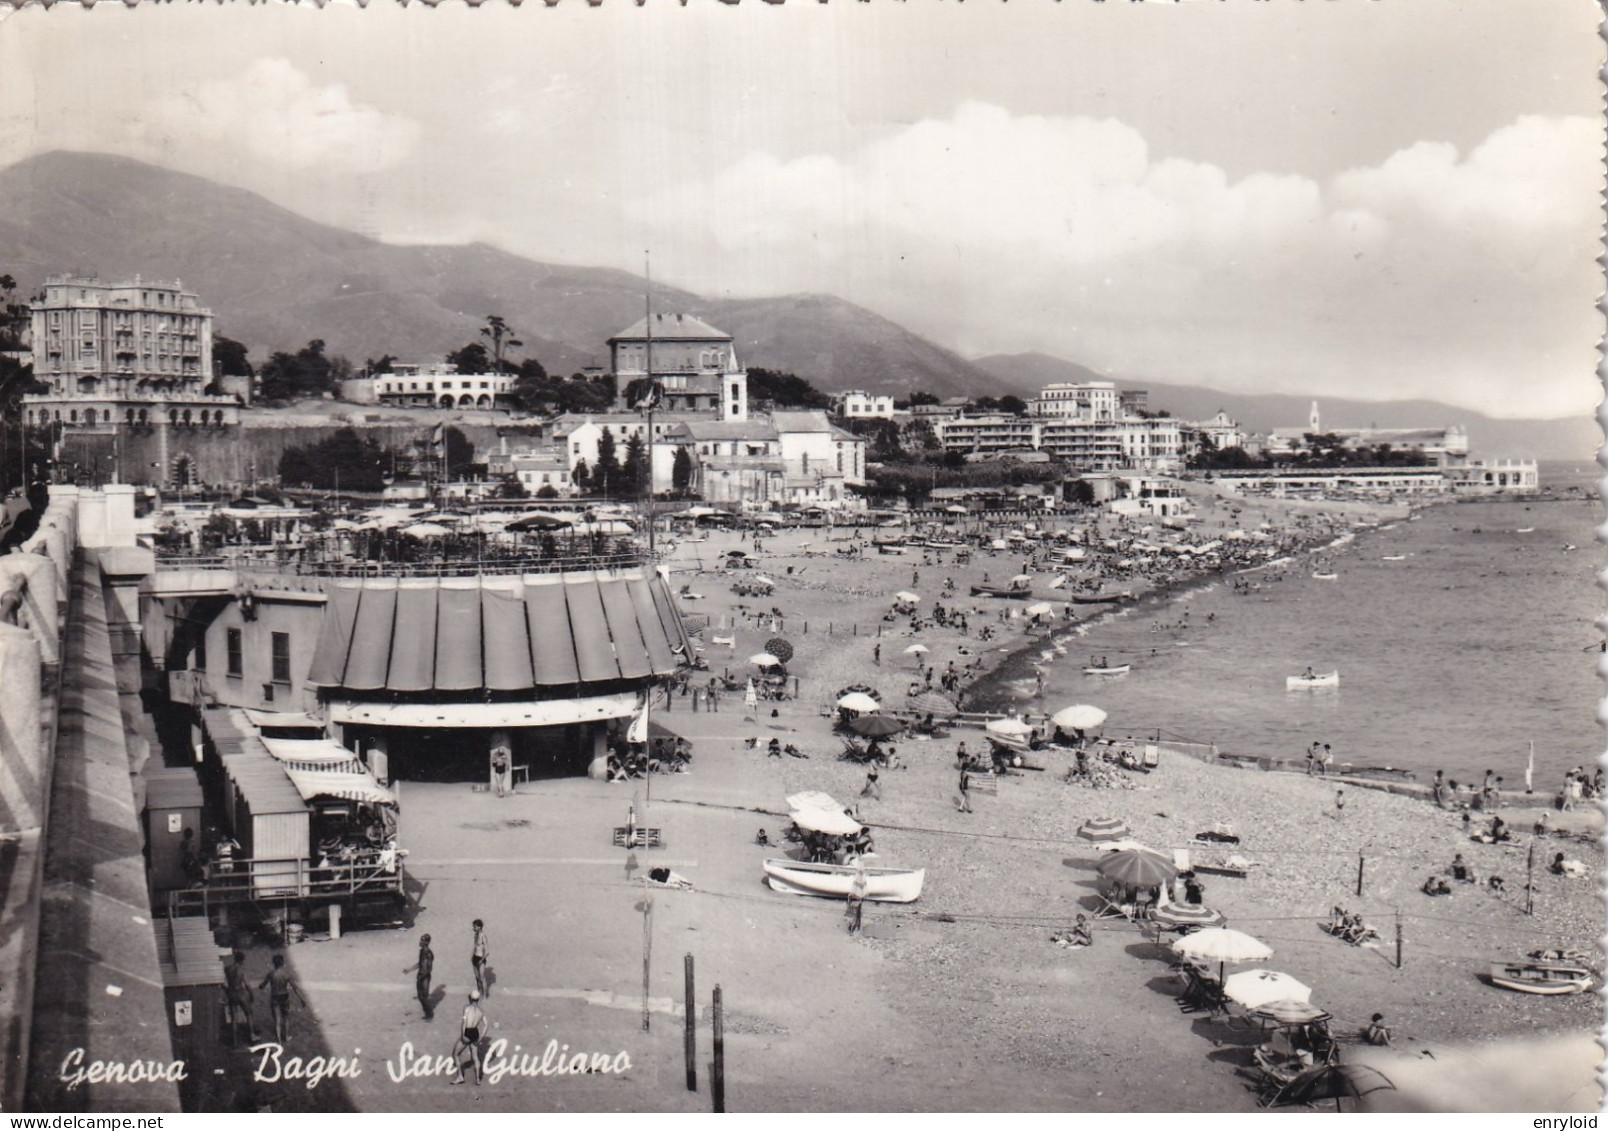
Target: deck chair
[{"x": 1111, "y": 909}]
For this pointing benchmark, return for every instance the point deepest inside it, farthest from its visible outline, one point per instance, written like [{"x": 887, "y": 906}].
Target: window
[
  {"x": 232, "y": 642},
  {"x": 281, "y": 657},
  {"x": 201, "y": 650}
]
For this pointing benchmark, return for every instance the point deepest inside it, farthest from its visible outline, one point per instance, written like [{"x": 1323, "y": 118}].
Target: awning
[
  {"x": 518, "y": 634},
  {"x": 322, "y": 754},
  {"x": 348, "y": 787},
  {"x": 431, "y": 716},
  {"x": 281, "y": 719}
]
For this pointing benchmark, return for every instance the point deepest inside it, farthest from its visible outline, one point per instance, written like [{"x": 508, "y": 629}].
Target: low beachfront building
[
  {"x": 738, "y": 463},
  {"x": 442, "y": 386},
  {"x": 431, "y": 672},
  {"x": 1494, "y": 476},
  {"x": 1335, "y": 482}
]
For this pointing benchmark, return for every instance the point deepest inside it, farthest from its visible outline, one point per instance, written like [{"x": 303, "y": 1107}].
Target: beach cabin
[
  {"x": 173, "y": 803},
  {"x": 191, "y": 963}
]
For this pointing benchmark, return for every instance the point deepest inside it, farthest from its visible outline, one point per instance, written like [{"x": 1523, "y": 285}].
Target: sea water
[{"x": 1480, "y": 640}]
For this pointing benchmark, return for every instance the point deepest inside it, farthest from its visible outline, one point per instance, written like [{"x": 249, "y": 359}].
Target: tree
[
  {"x": 502, "y": 338},
  {"x": 459, "y": 452},
  {"x": 548, "y": 491},
  {"x": 681, "y": 470},
  {"x": 307, "y": 372},
  {"x": 472, "y": 358},
  {"x": 920, "y": 398},
  {"x": 582, "y": 477},
  {"x": 382, "y": 364},
  {"x": 634, "y": 472},
  {"x": 1012, "y": 404},
  {"x": 229, "y": 356},
  {"x": 606, "y": 475},
  {"x": 346, "y": 459},
  {"x": 509, "y": 487},
  {"x": 784, "y": 390}
]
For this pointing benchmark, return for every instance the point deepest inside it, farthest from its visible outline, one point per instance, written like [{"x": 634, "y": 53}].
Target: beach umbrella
[
  {"x": 765, "y": 660},
  {"x": 1256, "y": 988},
  {"x": 760, "y": 579},
  {"x": 956, "y": 510},
  {"x": 1008, "y": 728},
  {"x": 780, "y": 648},
  {"x": 1221, "y": 944},
  {"x": 916, "y": 650},
  {"x": 538, "y": 522},
  {"x": 1078, "y": 717},
  {"x": 1104, "y": 828},
  {"x": 1187, "y": 915},
  {"x": 1287, "y": 1012},
  {"x": 425, "y": 530},
  {"x": 1138, "y": 868},
  {"x": 858, "y": 701},
  {"x": 1039, "y": 609},
  {"x": 906, "y": 596},
  {"x": 876, "y": 726}
]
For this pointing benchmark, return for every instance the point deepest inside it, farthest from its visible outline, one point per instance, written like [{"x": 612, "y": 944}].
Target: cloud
[
  {"x": 275, "y": 114},
  {"x": 1433, "y": 273}
]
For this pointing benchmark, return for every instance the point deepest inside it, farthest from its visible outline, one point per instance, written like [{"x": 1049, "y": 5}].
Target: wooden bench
[{"x": 626, "y": 836}]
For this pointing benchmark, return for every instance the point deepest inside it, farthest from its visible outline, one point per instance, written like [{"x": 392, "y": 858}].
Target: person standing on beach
[
  {"x": 499, "y": 770},
  {"x": 1339, "y": 804},
  {"x": 279, "y": 997},
  {"x": 479, "y": 955},
  {"x": 871, "y": 788},
  {"x": 421, "y": 982},
  {"x": 965, "y": 788},
  {"x": 854, "y": 912},
  {"x": 238, "y": 994},
  {"x": 876, "y": 654},
  {"x": 471, "y": 1030}
]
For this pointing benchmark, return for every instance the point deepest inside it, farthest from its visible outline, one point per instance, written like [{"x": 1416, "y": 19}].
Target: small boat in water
[
  {"x": 1525, "y": 530},
  {"x": 1530, "y": 977},
  {"x": 883, "y": 885},
  {"x": 1395, "y": 557},
  {"x": 1324, "y": 576},
  {"x": 1302, "y": 682},
  {"x": 1119, "y": 669}
]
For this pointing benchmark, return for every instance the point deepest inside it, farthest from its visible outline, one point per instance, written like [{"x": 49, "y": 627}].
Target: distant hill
[
  {"x": 276, "y": 280},
  {"x": 1568, "y": 439}
]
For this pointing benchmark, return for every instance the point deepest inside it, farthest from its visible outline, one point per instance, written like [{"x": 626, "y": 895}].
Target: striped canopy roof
[{"x": 497, "y": 634}]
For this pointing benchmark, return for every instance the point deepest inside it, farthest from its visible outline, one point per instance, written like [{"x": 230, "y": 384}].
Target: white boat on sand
[
  {"x": 1548, "y": 978},
  {"x": 883, "y": 885},
  {"x": 1301, "y": 682}
]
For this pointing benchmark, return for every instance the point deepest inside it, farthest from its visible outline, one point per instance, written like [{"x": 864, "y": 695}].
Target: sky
[{"x": 1377, "y": 199}]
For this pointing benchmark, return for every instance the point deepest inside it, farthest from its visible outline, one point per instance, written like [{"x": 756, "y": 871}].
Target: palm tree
[{"x": 502, "y": 337}]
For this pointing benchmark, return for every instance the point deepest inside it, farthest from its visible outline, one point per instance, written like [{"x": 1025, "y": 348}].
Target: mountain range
[{"x": 275, "y": 280}]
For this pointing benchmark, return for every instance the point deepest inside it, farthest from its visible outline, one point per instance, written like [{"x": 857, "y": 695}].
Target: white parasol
[
  {"x": 1080, "y": 716},
  {"x": 858, "y": 701}
]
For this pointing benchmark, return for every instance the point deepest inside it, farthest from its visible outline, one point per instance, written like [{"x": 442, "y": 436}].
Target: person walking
[
  {"x": 499, "y": 770},
  {"x": 854, "y": 912},
  {"x": 871, "y": 788},
  {"x": 237, "y": 990},
  {"x": 1339, "y": 804},
  {"x": 965, "y": 788},
  {"x": 421, "y": 982},
  {"x": 280, "y": 987},
  {"x": 472, "y": 1029},
  {"x": 479, "y": 955},
  {"x": 876, "y": 654}
]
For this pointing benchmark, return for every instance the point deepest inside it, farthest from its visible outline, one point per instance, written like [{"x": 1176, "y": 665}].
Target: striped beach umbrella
[
  {"x": 1188, "y": 915},
  {"x": 1138, "y": 868},
  {"x": 1104, "y": 828}
]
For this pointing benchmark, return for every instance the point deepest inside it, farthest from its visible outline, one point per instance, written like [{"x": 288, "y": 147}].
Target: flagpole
[{"x": 647, "y": 324}]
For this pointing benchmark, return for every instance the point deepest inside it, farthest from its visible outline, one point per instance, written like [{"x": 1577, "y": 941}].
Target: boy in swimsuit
[
  {"x": 478, "y": 956},
  {"x": 470, "y": 1031},
  {"x": 279, "y": 996}
]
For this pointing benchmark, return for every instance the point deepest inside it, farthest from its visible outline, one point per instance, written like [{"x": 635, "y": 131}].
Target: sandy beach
[{"x": 960, "y": 1000}]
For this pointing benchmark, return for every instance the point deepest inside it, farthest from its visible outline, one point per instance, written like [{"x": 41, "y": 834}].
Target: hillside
[
  {"x": 1567, "y": 439},
  {"x": 275, "y": 280}
]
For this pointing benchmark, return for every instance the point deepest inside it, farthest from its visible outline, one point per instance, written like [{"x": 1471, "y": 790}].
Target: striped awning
[{"x": 497, "y": 634}]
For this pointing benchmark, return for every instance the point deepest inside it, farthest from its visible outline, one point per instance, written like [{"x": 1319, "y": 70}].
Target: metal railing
[
  {"x": 274, "y": 881},
  {"x": 286, "y": 565}
]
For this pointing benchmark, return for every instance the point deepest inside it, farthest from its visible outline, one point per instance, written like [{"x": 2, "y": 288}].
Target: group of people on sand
[{"x": 1459, "y": 872}]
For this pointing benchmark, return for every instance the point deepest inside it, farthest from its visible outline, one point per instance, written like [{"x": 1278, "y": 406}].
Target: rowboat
[
  {"x": 1321, "y": 576},
  {"x": 1395, "y": 557},
  {"x": 1100, "y": 598},
  {"x": 1120, "y": 669},
  {"x": 884, "y": 885},
  {"x": 1540, "y": 977},
  {"x": 1020, "y": 592},
  {"x": 1301, "y": 682}
]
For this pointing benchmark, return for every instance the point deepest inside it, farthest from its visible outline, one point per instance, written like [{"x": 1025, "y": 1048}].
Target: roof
[
  {"x": 755, "y": 430},
  {"x": 669, "y": 327},
  {"x": 801, "y": 421},
  {"x": 176, "y": 788},
  {"x": 462, "y": 636}
]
